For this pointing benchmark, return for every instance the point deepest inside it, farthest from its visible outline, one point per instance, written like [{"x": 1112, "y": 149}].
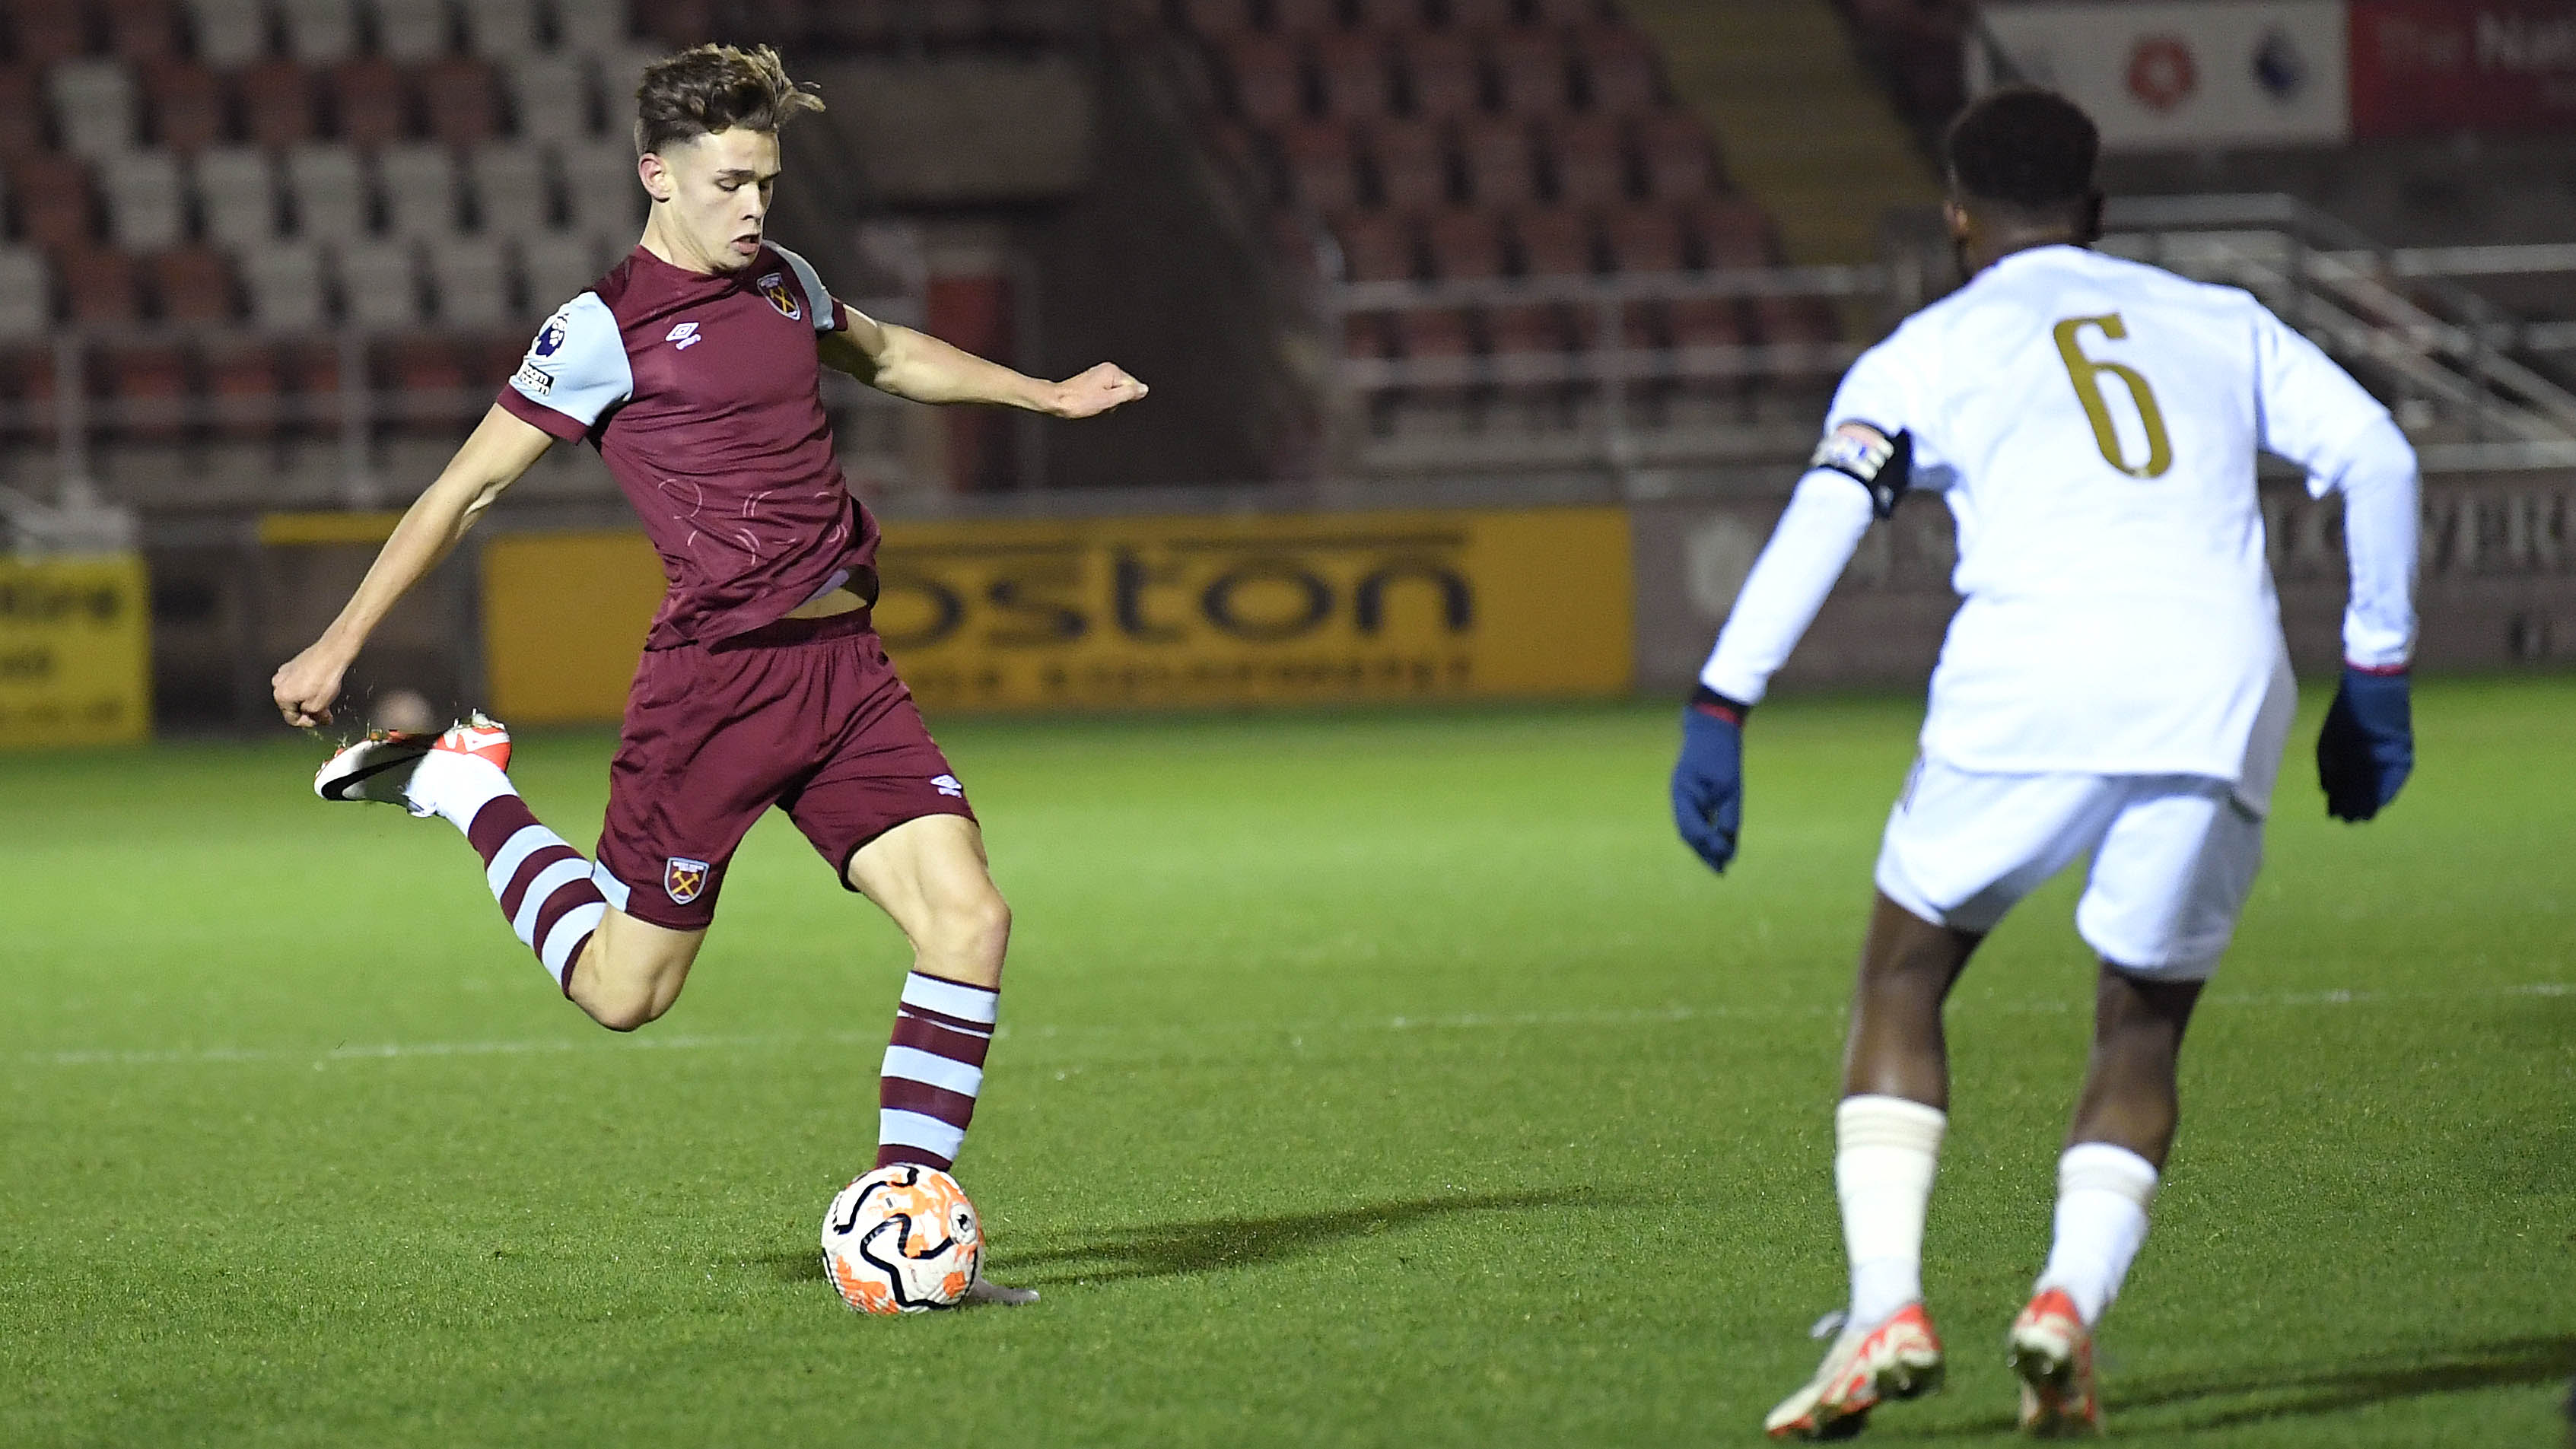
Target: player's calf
[{"x": 631, "y": 971}]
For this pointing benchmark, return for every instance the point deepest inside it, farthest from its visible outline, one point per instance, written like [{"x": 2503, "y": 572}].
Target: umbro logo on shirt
[
  {"x": 686, "y": 335},
  {"x": 947, "y": 785}
]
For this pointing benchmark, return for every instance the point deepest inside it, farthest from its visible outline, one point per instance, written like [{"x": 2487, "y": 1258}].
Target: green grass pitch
[{"x": 1367, "y": 1078}]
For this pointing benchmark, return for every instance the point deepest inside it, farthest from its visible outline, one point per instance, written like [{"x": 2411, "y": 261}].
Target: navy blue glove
[
  {"x": 2367, "y": 747},
  {"x": 1708, "y": 780}
]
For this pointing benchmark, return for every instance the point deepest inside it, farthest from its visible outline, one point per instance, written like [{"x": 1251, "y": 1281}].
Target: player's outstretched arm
[
  {"x": 2366, "y": 748},
  {"x": 915, "y": 365},
  {"x": 499, "y": 451}
]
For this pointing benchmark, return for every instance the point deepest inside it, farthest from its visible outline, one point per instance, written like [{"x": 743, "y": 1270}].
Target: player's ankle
[{"x": 456, "y": 786}]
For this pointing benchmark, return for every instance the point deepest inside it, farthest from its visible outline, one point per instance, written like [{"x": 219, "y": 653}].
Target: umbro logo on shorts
[
  {"x": 947, "y": 785},
  {"x": 683, "y": 879}
]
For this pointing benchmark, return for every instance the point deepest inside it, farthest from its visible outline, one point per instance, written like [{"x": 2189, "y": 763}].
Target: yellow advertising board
[
  {"x": 75, "y": 651},
  {"x": 1140, "y": 612}
]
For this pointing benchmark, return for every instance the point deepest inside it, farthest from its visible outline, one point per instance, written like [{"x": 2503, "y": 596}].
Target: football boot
[
  {"x": 2052, "y": 1355},
  {"x": 379, "y": 768},
  {"x": 1898, "y": 1358}
]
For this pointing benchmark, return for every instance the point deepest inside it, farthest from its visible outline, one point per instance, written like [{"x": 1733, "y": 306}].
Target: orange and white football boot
[
  {"x": 2052, "y": 1355},
  {"x": 379, "y": 768},
  {"x": 1898, "y": 1358}
]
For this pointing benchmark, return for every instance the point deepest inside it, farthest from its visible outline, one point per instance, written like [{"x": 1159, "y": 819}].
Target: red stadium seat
[
  {"x": 1368, "y": 335},
  {"x": 43, "y": 33},
  {"x": 277, "y": 103},
  {"x": 1269, "y": 79},
  {"x": 1533, "y": 72},
  {"x": 27, "y": 378},
  {"x": 427, "y": 373},
  {"x": 462, "y": 102},
  {"x": 1412, "y": 164},
  {"x": 1620, "y": 67},
  {"x": 242, "y": 388},
  {"x": 1680, "y": 163},
  {"x": 1355, "y": 76},
  {"x": 372, "y": 101},
  {"x": 1554, "y": 242},
  {"x": 1708, "y": 322},
  {"x": 195, "y": 284},
  {"x": 1299, "y": 17},
  {"x": 1322, "y": 169},
  {"x": 1464, "y": 246},
  {"x": 1729, "y": 233},
  {"x": 1499, "y": 160},
  {"x": 1375, "y": 247},
  {"x": 143, "y": 31},
  {"x": 1217, "y": 17},
  {"x": 1435, "y": 332},
  {"x": 22, "y": 113},
  {"x": 187, "y": 104},
  {"x": 151, "y": 386},
  {"x": 57, "y": 208},
  {"x": 1591, "y": 160},
  {"x": 1537, "y": 328},
  {"x": 1442, "y": 74},
  {"x": 99, "y": 285},
  {"x": 1644, "y": 240}
]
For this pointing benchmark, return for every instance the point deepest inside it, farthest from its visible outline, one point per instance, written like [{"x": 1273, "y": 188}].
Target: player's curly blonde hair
[{"x": 710, "y": 88}]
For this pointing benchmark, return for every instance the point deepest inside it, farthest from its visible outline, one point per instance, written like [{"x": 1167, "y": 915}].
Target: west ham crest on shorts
[
  {"x": 774, "y": 287},
  {"x": 684, "y": 879}
]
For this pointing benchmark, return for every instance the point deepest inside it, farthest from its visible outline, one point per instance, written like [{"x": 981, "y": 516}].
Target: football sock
[
  {"x": 1884, "y": 1152},
  {"x": 2102, "y": 1197},
  {"x": 933, "y": 1069},
  {"x": 544, "y": 886}
]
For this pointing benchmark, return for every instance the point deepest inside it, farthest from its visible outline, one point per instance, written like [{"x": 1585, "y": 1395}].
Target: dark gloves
[
  {"x": 1708, "y": 779},
  {"x": 2367, "y": 747}
]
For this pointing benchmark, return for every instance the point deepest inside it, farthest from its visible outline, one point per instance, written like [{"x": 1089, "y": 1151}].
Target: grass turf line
[{"x": 1368, "y": 1078}]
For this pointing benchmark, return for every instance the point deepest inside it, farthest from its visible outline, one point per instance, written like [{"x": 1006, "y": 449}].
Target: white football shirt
[{"x": 2093, "y": 424}]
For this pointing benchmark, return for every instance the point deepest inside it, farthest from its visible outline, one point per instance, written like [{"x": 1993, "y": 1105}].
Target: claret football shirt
[{"x": 703, "y": 395}]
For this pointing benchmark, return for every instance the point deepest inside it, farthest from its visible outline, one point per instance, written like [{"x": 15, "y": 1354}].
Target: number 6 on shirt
[{"x": 2087, "y": 377}]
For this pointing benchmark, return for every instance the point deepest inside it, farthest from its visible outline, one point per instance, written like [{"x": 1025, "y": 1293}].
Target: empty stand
[
  {"x": 327, "y": 191},
  {"x": 147, "y": 206},
  {"x": 26, "y": 294}
]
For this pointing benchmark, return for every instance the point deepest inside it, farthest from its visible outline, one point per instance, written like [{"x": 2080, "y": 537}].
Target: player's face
[{"x": 714, "y": 193}]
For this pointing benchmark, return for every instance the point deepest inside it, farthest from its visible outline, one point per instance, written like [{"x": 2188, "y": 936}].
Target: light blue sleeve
[
  {"x": 818, "y": 298},
  {"x": 576, "y": 369}
]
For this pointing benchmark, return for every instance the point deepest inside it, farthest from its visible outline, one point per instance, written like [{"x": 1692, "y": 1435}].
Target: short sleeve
[
  {"x": 574, "y": 372},
  {"x": 2311, "y": 409},
  {"x": 818, "y": 298}
]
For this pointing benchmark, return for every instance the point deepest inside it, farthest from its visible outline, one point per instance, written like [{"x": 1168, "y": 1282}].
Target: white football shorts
[{"x": 2174, "y": 858}]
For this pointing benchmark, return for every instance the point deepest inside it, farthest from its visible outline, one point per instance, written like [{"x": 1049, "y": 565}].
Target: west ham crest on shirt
[
  {"x": 684, "y": 879},
  {"x": 774, "y": 287}
]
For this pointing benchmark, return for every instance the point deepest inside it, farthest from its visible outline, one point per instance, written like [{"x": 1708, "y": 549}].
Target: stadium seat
[
  {"x": 1680, "y": 164},
  {"x": 1644, "y": 240},
  {"x": 500, "y": 29},
  {"x": 1320, "y": 164},
  {"x": 412, "y": 31},
  {"x": 1534, "y": 328},
  {"x": 512, "y": 195},
  {"x": 94, "y": 106},
  {"x": 242, "y": 389},
  {"x": 100, "y": 286},
  {"x": 1464, "y": 245},
  {"x": 1389, "y": 16},
  {"x": 1724, "y": 232},
  {"x": 1554, "y": 242},
  {"x": 461, "y": 100},
  {"x": 1620, "y": 72},
  {"x": 146, "y": 204},
  {"x": 328, "y": 192},
  {"x": 26, "y": 294},
  {"x": 143, "y": 32},
  {"x": 1443, "y": 79},
  {"x": 187, "y": 105},
  {"x": 44, "y": 34},
  {"x": 27, "y": 376},
  {"x": 601, "y": 190},
  {"x": 193, "y": 284},
  {"x": 229, "y": 33},
  {"x": 236, "y": 189},
  {"x": 319, "y": 32},
  {"x": 286, "y": 286},
  {"x": 378, "y": 288},
  {"x": 593, "y": 27},
  {"x": 427, "y": 374},
  {"x": 1435, "y": 332},
  {"x": 1268, "y": 79},
  {"x": 676, "y": 23},
  {"x": 1368, "y": 335},
  {"x": 418, "y": 183},
  {"x": 23, "y": 123},
  {"x": 473, "y": 287},
  {"x": 1481, "y": 15},
  {"x": 1589, "y": 159},
  {"x": 277, "y": 103},
  {"x": 550, "y": 95},
  {"x": 373, "y": 101},
  {"x": 1531, "y": 72},
  {"x": 1376, "y": 247},
  {"x": 1304, "y": 17},
  {"x": 555, "y": 267},
  {"x": 151, "y": 388},
  {"x": 1412, "y": 164},
  {"x": 1499, "y": 160},
  {"x": 1355, "y": 76},
  {"x": 56, "y": 209}
]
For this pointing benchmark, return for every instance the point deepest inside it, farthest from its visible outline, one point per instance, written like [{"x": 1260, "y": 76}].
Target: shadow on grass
[
  {"x": 1164, "y": 1250},
  {"x": 2262, "y": 1394}
]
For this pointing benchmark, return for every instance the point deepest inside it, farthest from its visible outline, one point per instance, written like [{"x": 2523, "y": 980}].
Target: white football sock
[
  {"x": 1884, "y": 1152},
  {"x": 455, "y": 786},
  {"x": 2102, "y": 1197}
]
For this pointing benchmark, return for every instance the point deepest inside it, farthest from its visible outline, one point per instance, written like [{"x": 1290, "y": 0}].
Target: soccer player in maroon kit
[{"x": 693, "y": 368}]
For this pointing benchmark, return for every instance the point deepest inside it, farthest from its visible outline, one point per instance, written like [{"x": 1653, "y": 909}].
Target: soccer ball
[{"x": 902, "y": 1239}]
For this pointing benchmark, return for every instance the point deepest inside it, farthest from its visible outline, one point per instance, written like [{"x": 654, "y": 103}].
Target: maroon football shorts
[{"x": 805, "y": 714}]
